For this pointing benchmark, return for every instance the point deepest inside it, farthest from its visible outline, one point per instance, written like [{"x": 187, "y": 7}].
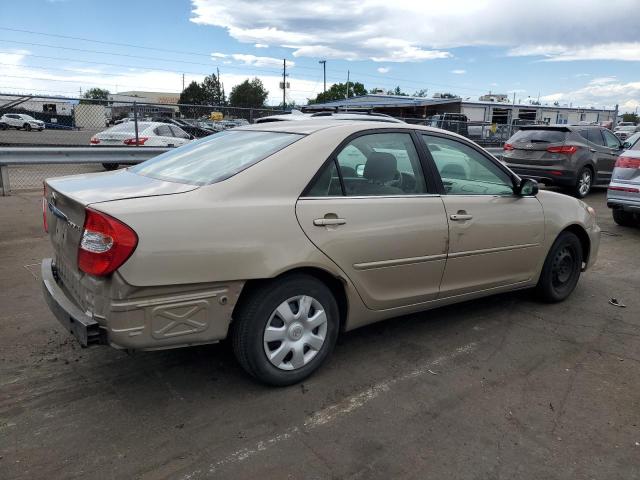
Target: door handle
[
  {"x": 460, "y": 217},
  {"x": 592, "y": 150},
  {"x": 322, "y": 222}
]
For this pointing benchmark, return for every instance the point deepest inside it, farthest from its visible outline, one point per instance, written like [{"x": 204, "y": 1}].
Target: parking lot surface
[{"x": 503, "y": 387}]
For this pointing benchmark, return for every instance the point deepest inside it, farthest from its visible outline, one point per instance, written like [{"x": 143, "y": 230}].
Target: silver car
[{"x": 623, "y": 194}]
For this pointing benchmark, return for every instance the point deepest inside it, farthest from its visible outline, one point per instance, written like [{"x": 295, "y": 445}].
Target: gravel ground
[{"x": 498, "y": 388}]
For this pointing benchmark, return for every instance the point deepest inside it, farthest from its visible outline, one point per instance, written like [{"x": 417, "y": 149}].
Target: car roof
[{"x": 314, "y": 125}]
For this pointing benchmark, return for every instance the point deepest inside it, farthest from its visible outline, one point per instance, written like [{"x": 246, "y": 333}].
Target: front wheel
[
  {"x": 285, "y": 329},
  {"x": 583, "y": 183},
  {"x": 561, "y": 269}
]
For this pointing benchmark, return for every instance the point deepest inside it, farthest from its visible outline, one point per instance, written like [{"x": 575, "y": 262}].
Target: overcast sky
[{"x": 582, "y": 52}]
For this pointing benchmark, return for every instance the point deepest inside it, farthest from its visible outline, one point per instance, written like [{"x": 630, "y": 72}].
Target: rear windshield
[
  {"x": 632, "y": 142},
  {"x": 128, "y": 127},
  {"x": 535, "y": 136},
  {"x": 216, "y": 157}
]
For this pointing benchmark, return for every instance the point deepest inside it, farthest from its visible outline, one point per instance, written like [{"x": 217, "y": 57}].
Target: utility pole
[
  {"x": 347, "y": 96},
  {"x": 514, "y": 98},
  {"x": 183, "y": 82},
  {"x": 284, "y": 84},
  {"x": 324, "y": 76}
]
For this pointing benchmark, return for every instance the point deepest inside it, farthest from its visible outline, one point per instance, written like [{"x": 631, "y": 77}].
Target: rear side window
[
  {"x": 610, "y": 139},
  {"x": 216, "y": 157},
  {"x": 538, "y": 136}
]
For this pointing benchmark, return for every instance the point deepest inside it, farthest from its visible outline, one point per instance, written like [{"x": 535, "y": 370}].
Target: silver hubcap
[
  {"x": 295, "y": 332},
  {"x": 584, "y": 183}
]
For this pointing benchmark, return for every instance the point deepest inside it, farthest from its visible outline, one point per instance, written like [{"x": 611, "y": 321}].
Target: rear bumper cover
[
  {"x": 566, "y": 178},
  {"x": 86, "y": 330}
]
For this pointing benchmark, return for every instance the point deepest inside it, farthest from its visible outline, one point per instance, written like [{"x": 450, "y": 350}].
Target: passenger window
[
  {"x": 611, "y": 140},
  {"x": 163, "y": 131},
  {"x": 595, "y": 136},
  {"x": 465, "y": 171},
  {"x": 378, "y": 164},
  {"x": 327, "y": 184}
]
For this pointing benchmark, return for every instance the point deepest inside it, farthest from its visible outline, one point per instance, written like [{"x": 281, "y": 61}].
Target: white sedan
[
  {"x": 21, "y": 120},
  {"x": 150, "y": 134}
]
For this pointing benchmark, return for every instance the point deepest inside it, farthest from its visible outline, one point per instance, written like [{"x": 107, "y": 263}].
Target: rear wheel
[
  {"x": 583, "y": 183},
  {"x": 561, "y": 269},
  {"x": 624, "y": 219},
  {"x": 27, "y": 127},
  {"x": 285, "y": 329}
]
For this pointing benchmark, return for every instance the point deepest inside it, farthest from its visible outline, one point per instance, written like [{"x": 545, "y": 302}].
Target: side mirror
[
  {"x": 528, "y": 188},
  {"x": 360, "y": 169}
]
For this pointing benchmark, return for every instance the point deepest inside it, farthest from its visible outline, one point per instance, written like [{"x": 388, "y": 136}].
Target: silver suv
[
  {"x": 576, "y": 157},
  {"x": 623, "y": 195}
]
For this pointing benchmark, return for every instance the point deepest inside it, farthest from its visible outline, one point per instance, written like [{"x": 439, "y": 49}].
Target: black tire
[
  {"x": 256, "y": 311},
  {"x": 3, "y": 126},
  {"x": 579, "y": 190},
  {"x": 561, "y": 269},
  {"x": 110, "y": 166},
  {"x": 27, "y": 127},
  {"x": 624, "y": 219}
]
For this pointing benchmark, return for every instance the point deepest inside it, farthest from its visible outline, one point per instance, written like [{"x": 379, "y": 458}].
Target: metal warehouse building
[{"x": 476, "y": 111}]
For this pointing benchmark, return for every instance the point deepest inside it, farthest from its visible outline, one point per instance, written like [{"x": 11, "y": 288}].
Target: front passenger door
[
  {"x": 607, "y": 160},
  {"x": 495, "y": 237}
]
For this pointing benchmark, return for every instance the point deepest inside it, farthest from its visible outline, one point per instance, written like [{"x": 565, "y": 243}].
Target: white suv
[{"x": 20, "y": 120}]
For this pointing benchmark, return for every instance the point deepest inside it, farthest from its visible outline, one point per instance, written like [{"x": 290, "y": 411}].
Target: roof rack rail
[{"x": 350, "y": 112}]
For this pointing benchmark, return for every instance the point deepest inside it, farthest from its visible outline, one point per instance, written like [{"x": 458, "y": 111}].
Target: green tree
[
  {"x": 194, "y": 94},
  {"x": 214, "y": 90},
  {"x": 338, "y": 91},
  {"x": 630, "y": 117},
  {"x": 397, "y": 91},
  {"x": 421, "y": 93},
  {"x": 95, "y": 94},
  {"x": 249, "y": 94}
]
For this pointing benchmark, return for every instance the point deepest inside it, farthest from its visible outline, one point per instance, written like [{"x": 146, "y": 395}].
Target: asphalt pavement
[{"x": 498, "y": 388}]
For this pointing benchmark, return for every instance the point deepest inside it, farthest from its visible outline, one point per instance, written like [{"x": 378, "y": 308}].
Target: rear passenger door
[
  {"x": 371, "y": 210},
  {"x": 495, "y": 237},
  {"x": 607, "y": 160}
]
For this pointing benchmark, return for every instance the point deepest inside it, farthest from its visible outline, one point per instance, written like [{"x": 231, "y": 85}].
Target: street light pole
[{"x": 324, "y": 75}]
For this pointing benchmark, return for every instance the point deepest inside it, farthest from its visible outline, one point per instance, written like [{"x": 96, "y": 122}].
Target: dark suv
[{"x": 576, "y": 157}]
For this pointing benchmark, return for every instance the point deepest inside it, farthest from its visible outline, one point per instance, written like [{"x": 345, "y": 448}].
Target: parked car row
[
  {"x": 578, "y": 157},
  {"x": 625, "y": 129}
]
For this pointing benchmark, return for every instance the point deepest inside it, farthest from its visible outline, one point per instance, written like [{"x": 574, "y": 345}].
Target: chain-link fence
[{"x": 60, "y": 121}]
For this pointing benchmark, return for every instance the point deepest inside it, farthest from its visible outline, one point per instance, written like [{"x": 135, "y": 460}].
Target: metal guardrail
[{"x": 26, "y": 156}]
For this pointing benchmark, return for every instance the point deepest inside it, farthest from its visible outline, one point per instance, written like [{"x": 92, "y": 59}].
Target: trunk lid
[{"x": 66, "y": 199}]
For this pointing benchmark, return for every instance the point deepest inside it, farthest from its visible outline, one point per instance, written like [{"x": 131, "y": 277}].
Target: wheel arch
[
  {"x": 580, "y": 232},
  {"x": 334, "y": 283}
]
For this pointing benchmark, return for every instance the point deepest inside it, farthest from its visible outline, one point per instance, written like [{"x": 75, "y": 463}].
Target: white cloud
[
  {"x": 624, "y": 51},
  {"x": 261, "y": 45},
  {"x": 602, "y": 80},
  {"x": 407, "y": 31},
  {"x": 600, "y": 94},
  {"x": 458, "y": 71},
  {"x": 383, "y": 69},
  {"x": 252, "y": 60}
]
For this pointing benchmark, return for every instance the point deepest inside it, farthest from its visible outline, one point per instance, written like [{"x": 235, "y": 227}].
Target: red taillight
[
  {"x": 628, "y": 162},
  {"x": 557, "y": 173},
  {"x": 625, "y": 189},
  {"x": 94, "y": 141},
  {"x": 566, "y": 149},
  {"x": 508, "y": 146},
  {"x": 132, "y": 141},
  {"x": 44, "y": 207},
  {"x": 105, "y": 245}
]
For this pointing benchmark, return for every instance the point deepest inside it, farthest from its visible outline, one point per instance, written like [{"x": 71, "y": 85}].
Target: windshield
[
  {"x": 632, "y": 142},
  {"x": 538, "y": 136},
  {"x": 216, "y": 157}
]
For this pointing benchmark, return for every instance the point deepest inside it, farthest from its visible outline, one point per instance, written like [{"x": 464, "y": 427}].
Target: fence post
[
  {"x": 135, "y": 120},
  {"x": 251, "y": 115},
  {"x": 4, "y": 180}
]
